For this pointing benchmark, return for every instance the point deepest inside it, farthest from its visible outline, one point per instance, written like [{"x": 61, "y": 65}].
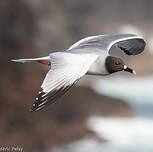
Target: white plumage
[{"x": 86, "y": 56}]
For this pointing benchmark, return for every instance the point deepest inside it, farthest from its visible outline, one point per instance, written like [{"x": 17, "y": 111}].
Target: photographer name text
[{"x": 11, "y": 149}]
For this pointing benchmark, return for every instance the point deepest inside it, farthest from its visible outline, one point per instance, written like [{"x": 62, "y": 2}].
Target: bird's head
[{"x": 114, "y": 64}]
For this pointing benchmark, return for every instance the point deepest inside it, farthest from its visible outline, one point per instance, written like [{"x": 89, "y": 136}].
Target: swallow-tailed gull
[{"x": 88, "y": 56}]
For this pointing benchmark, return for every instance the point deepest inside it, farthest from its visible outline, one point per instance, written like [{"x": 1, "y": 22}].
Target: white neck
[{"x": 98, "y": 67}]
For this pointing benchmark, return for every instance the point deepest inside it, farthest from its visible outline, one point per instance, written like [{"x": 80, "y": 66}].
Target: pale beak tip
[
  {"x": 126, "y": 68},
  {"x": 134, "y": 72}
]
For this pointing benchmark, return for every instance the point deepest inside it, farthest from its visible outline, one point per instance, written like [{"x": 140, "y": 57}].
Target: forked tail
[{"x": 43, "y": 60}]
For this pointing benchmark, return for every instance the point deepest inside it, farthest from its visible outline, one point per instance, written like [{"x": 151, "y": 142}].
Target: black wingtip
[
  {"x": 33, "y": 109},
  {"x": 133, "y": 46},
  {"x": 44, "y": 99}
]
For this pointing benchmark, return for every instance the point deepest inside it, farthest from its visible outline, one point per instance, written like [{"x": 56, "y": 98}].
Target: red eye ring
[{"x": 116, "y": 63}]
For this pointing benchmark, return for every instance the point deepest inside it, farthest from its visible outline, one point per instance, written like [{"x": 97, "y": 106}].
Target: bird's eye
[{"x": 116, "y": 63}]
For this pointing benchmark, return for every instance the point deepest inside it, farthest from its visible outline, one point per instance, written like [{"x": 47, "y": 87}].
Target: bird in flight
[{"x": 88, "y": 56}]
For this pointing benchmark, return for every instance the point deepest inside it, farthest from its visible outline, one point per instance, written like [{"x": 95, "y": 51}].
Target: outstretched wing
[
  {"x": 131, "y": 44},
  {"x": 66, "y": 69}
]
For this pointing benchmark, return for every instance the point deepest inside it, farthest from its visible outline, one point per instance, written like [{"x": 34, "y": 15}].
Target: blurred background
[{"x": 100, "y": 114}]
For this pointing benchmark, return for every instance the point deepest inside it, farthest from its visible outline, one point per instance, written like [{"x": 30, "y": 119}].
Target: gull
[{"x": 89, "y": 56}]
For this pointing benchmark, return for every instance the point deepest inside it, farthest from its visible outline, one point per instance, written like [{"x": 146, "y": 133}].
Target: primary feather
[{"x": 66, "y": 69}]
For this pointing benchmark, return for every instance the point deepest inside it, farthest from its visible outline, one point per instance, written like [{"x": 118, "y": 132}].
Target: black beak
[{"x": 127, "y": 69}]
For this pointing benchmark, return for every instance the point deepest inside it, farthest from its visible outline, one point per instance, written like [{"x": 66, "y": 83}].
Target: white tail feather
[{"x": 47, "y": 58}]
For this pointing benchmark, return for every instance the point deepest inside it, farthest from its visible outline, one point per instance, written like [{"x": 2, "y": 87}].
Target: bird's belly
[{"x": 98, "y": 67}]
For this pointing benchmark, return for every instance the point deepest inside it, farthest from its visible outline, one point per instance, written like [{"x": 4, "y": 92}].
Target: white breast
[{"x": 98, "y": 67}]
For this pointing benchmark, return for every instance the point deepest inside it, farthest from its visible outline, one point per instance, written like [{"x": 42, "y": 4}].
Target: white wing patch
[{"x": 66, "y": 69}]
